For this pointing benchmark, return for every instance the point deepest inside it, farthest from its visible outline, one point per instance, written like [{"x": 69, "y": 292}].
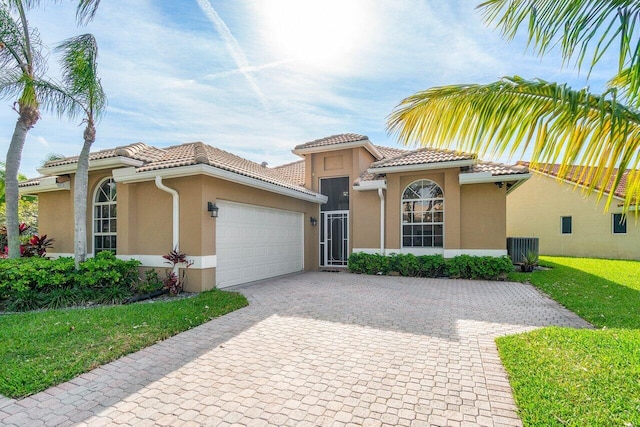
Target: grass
[
  {"x": 45, "y": 348},
  {"x": 564, "y": 376}
]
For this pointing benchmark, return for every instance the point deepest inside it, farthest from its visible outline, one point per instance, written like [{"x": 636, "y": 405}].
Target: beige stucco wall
[
  {"x": 534, "y": 210},
  {"x": 483, "y": 216}
]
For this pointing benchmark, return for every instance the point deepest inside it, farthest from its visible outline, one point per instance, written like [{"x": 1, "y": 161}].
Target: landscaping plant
[{"x": 175, "y": 280}]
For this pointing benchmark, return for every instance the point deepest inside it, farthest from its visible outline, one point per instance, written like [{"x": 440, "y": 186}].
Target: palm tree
[
  {"x": 80, "y": 76},
  {"x": 601, "y": 132},
  {"x": 22, "y": 71}
]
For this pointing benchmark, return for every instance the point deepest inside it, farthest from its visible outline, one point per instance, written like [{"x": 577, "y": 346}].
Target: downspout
[
  {"x": 381, "y": 195},
  {"x": 176, "y": 212}
]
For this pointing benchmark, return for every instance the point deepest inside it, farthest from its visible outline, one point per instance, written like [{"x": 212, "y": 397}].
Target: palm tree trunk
[
  {"x": 80, "y": 189},
  {"x": 14, "y": 156}
]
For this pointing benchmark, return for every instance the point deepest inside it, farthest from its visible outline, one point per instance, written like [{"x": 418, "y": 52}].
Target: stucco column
[{"x": 452, "y": 207}]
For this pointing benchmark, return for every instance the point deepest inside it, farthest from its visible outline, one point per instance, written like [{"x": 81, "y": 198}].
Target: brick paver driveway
[{"x": 318, "y": 349}]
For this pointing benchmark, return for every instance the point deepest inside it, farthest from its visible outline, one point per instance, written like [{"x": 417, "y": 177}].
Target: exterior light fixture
[
  {"x": 313, "y": 221},
  {"x": 213, "y": 209},
  {"x": 499, "y": 184}
]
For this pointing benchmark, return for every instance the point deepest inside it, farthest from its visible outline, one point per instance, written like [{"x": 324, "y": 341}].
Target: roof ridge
[
  {"x": 130, "y": 150},
  {"x": 288, "y": 164}
]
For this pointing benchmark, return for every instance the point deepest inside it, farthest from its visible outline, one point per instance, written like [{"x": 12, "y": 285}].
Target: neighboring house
[
  {"x": 346, "y": 195},
  {"x": 567, "y": 221}
]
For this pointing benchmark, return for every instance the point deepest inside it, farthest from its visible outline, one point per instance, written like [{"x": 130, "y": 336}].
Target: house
[
  {"x": 345, "y": 195},
  {"x": 569, "y": 222}
]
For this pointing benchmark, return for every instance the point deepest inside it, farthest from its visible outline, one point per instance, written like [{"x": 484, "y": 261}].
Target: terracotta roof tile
[
  {"x": 137, "y": 151},
  {"x": 499, "y": 168},
  {"x": 576, "y": 171},
  {"x": 199, "y": 153},
  {"x": 423, "y": 156},
  {"x": 390, "y": 152},
  {"x": 332, "y": 140},
  {"x": 294, "y": 172}
]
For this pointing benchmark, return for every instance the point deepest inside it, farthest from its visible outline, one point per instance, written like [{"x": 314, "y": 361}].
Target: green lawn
[
  {"x": 573, "y": 377},
  {"x": 41, "y": 349}
]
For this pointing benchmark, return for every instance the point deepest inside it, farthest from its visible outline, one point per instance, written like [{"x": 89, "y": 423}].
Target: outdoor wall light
[
  {"x": 313, "y": 221},
  {"x": 211, "y": 207},
  {"x": 499, "y": 184}
]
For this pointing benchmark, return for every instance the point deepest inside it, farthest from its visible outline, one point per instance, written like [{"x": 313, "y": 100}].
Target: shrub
[
  {"x": 30, "y": 283},
  {"x": 151, "y": 282},
  {"x": 479, "y": 267},
  {"x": 405, "y": 264},
  {"x": 463, "y": 266},
  {"x": 105, "y": 270},
  {"x": 431, "y": 265}
]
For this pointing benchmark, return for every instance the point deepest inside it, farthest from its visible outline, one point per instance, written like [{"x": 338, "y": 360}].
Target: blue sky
[{"x": 258, "y": 77}]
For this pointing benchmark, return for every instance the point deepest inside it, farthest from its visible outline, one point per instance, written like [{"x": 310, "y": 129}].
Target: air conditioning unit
[{"x": 518, "y": 247}]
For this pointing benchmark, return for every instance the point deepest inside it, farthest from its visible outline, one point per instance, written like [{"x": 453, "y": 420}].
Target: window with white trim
[
  {"x": 422, "y": 215},
  {"x": 104, "y": 217},
  {"x": 619, "y": 223}
]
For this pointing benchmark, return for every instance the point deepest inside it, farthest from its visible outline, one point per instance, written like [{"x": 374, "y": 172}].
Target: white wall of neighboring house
[{"x": 536, "y": 207}]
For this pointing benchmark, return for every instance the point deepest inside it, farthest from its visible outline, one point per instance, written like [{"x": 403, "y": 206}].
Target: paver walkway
[{"x": 318, "y": 349}]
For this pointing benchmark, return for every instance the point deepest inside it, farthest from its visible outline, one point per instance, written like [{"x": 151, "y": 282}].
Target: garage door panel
[{"x": 254, "y": 243}]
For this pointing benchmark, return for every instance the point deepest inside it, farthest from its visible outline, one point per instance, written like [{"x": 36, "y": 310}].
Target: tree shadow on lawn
[{"x": 602, "y": 299}]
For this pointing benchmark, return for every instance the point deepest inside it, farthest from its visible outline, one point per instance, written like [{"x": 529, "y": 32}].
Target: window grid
[
  {"x": 423, "y": 215},
  {"x": 105, "y": 217}
]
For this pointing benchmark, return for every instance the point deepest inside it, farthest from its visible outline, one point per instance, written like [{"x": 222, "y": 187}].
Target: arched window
[
  {"x": 104, "y": 217},
  {"x": 422, "y": 215}
]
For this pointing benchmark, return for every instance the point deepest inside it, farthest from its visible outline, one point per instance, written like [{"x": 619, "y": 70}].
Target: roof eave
[
  {"x": 129, "y": 175},
  {"x": 488, "y": 177},
  {"x": 567, "y": 181},
  {"x": 365, "y": 143},
  {"x": 423, "y": 166},
  {"x": 371, "y": 185},
  {"x": 108, "y": 163},
  {"x": 46, "y": 184}
]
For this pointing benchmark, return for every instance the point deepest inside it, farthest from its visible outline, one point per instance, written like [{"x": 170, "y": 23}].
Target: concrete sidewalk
[{"x": 318, "y": 349}]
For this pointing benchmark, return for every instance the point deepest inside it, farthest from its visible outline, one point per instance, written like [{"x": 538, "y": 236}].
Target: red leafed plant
[
  {"x": 175, "y": 280},
  {"x": 38, "y": 245},
  {"x": 34, "y": 245}
]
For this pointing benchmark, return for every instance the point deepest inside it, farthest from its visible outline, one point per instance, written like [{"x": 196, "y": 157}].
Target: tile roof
[
  {"x": 577, "y": 170},
  {"x": 499, "y": 168},
  {"x": 137, "y": 151},
  {"x": 423, "y": 156},
  {"x": 294, "y": 172},
  {"x": 332, "y": 140},
  {"x": 191, "y": 154}
]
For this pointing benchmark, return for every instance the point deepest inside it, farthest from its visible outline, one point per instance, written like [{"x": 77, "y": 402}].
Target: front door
[{"x": 334, "y": 222}]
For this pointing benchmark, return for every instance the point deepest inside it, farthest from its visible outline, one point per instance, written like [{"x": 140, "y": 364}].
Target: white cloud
[{"x": 171, "y": 76}]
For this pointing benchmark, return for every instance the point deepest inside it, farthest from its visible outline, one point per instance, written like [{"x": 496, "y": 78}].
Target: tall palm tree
[
  {"x": 555, "y": 122},
  {"x": 80, "y": 77},
  {"x": 22, "y": 71}
]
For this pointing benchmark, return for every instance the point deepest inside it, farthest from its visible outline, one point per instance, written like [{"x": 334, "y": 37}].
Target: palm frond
[
  {"x": 80, "y": 73},
  {"x": 55, "y": 99},
  {"x": 11, "y": 40},
  {"x": 86, "y": 10},
  {"x": 558, "y": 125},
  {"x": 580, "y": 29}
]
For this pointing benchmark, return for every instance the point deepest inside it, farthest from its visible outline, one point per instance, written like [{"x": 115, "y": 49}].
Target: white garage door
[{"x": 254, "y": 243}]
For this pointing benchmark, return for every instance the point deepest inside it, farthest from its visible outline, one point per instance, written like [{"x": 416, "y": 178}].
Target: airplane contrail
[
  {"x": 248, "y": 69},
  {"x": 232, "y": 45}
]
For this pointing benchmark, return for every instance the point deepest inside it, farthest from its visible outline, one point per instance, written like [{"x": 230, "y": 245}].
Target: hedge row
[
  {"x": 459, "y": 267},
  {"x": 30, "y": 283}
]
